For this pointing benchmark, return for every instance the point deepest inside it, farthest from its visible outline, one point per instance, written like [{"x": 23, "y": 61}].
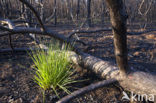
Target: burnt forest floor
[{"x": 17, "y": 86}]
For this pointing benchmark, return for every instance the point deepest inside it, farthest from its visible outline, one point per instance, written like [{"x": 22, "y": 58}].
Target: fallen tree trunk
[{"x": 137, "y": 81}]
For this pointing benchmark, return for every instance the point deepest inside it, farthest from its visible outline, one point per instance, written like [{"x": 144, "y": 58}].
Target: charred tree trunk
[
  {"x": 5, "y": 5},
  {"x": 1, "y": 10},
  {"x": 42, "y": 10},
  {"x": 78, "y": 9},
  {"x": 22, "y": 9},
  {"x": 55, "y": 14},
  {"x": 9, "y": 9},
  {"x": 103, "y": 12},
  {"x": 89, "y": 12},
  {"x": 118, "y": 19}
]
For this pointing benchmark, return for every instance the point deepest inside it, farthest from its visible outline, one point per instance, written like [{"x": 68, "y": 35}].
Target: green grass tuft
[{"x": 52, "y": 69}]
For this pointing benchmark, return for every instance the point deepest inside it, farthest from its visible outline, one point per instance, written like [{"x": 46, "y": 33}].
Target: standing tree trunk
[
  {"x": 78, "y": 9},
  {"x": 42, "y": 11},
  {"x": 22, "y": 9},
  {"x": 2, "y": 13},
  {"x": 118, "y": 19},
  {"x": 103, "y": 12},
  {"x": 89, "y": 12},
  {"x": 7, "y": 9},
  {"x": 55, "y": 14}
]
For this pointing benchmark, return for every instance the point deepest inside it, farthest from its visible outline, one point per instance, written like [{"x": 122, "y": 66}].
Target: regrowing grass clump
[{"x": 52, "y": 69}]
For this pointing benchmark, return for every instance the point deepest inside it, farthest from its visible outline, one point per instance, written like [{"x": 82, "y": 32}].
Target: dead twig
[{"x": 86, "y": 89}]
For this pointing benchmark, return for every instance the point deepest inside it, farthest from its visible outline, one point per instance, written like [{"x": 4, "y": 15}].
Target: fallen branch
[
  {"x": 86, "y": 89},
  {"x": 8, "y": 50},
  {"x": 61, "y": 37},
  {"x": 51, "y": 33},
  {"x": 5, "y": 34},
  {"x": 143, "y": 32},
  {"x": 87, "y": 31},
  {"x": 11, "y": 26}
]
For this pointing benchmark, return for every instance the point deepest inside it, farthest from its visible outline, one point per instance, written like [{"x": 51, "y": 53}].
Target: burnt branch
[
  {"x": 86, "y": 89},
  {"x": 8, "y": 50},
  {"x": 142, "y": 32},
  {"x": 87, "y": 31},
  {"x": 24, "y": 30}
]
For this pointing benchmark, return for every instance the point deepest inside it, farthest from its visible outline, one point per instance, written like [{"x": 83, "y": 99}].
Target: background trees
[{"x": 75, "y": 10}]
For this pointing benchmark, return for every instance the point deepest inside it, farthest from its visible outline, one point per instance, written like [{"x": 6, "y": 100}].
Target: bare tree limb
[
  {"x": 35, "y": 12},
  {"x": 5, "y": 34},
  {"x": 77, "y": 31},
  {"x": 23, "y": 30},
  {"x": 86, "y": 89},
  {"x": 141, "y": 6},
  {"x": 7, "y": 50},
  {"x": 87, "y": 31},
  {"x": 143, "y": 32}
]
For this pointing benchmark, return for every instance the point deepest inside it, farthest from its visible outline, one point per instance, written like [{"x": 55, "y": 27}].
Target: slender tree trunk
[
  {"x": 103, "y": 12},
  {"x": 2, "y": 13},
  {"x": 78, "y": 9},
  {"x": 118, "y": 19},
  {"x": 42, "y": 11},
  {"x": 9, "y": 8},
  {"x": 22, "y": 10},
  {"x": 89, "y": 12},
  {"x": 55, "y": 14},
  {"x": 6, "y": 8}
]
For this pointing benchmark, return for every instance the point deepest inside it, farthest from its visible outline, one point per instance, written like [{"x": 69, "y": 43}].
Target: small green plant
[{"x": 52, "y": 69}]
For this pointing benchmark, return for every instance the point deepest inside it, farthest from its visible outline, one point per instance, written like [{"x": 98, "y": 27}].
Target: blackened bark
[
  {"x": 78, "y": 9},
  {"x": 1, "y": 10},
  {"x": 55, "y": 14},
  {"x": 42, "y": 11},
  {"x": 89, "y": 12},
  {"x": 118, "y": 19},
  {"x": 103, "y": 12},
  {"x": 22, "y": 9}
]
